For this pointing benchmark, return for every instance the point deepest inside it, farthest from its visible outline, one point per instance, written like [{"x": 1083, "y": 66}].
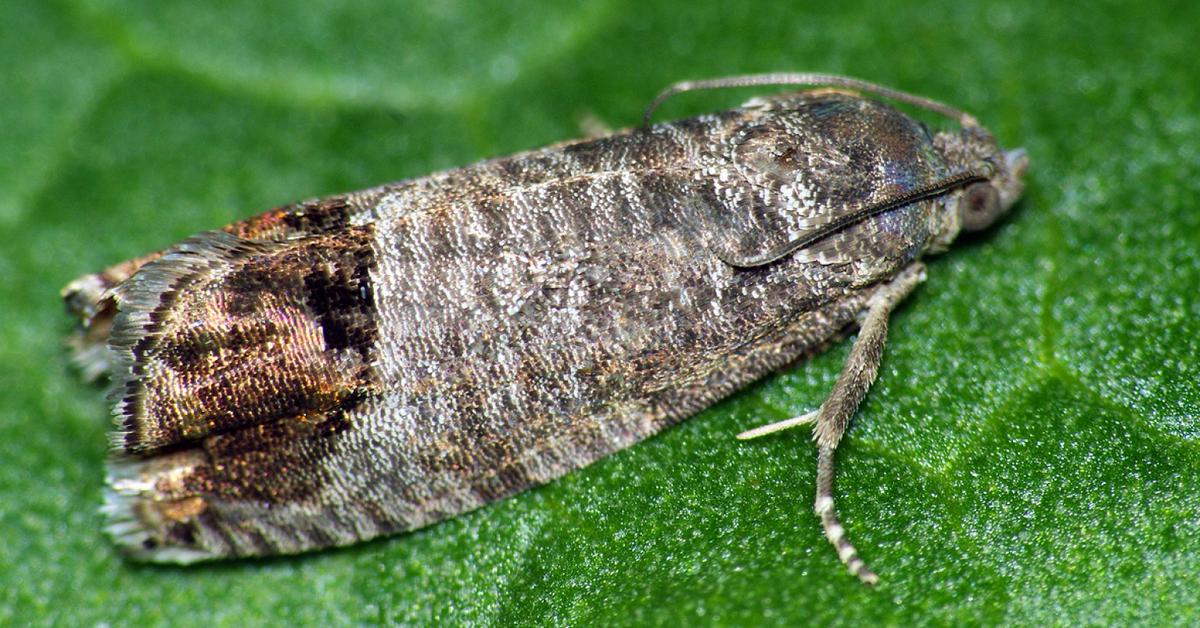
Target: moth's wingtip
[
  {"x": 135, "y": 540},
  {"x": 135, "y": 325},
  {"x": 124, "y": 494}
]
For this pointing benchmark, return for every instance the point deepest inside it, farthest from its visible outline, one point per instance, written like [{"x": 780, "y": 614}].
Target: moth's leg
[
  {"x": 779, "y": 426},
  {"x": 832, "y": 418},
  {"x": 851, "y": 386}
]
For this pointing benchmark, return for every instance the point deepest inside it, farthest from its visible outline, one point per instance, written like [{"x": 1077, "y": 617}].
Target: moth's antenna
[{"x": 812, "y": 80}]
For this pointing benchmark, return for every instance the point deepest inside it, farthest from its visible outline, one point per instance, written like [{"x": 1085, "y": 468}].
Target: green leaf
[{"x": 1029, "y": 455}]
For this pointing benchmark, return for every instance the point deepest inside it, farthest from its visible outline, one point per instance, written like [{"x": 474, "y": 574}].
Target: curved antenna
[{"x": 811, "y": 80}]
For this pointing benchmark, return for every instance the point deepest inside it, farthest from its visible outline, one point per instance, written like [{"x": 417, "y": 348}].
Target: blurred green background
[{"x": 1030, "y": 454}]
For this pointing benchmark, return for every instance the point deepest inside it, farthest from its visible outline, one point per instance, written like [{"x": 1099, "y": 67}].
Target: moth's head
[{"x": 978, "y": 204}]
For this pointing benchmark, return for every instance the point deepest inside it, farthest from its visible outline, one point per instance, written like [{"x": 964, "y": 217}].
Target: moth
[{"x": 367, "y": 363}]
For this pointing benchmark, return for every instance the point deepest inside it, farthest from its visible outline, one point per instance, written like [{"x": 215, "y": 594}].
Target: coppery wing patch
[{"x": 221, "y": 333}]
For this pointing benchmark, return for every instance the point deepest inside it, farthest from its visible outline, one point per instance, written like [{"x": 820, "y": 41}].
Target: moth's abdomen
[{"x": 221, "y": 334}]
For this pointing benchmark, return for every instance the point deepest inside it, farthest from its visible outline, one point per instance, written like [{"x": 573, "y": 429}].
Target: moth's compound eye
[{"x": 979, "y": 206}]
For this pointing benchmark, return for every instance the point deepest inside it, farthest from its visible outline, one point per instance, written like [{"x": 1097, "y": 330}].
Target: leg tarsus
[
  {"x": 858, "y": 373},
  {"x": 824, "y": 507}
]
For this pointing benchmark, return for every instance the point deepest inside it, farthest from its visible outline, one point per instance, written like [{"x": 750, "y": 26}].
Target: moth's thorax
[
  {"x": 826, "y": 153},
  {"x": 805, "y": 163}
]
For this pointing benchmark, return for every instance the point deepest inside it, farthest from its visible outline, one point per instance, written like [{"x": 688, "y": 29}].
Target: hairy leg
[{"x": 832, "y": 418}]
